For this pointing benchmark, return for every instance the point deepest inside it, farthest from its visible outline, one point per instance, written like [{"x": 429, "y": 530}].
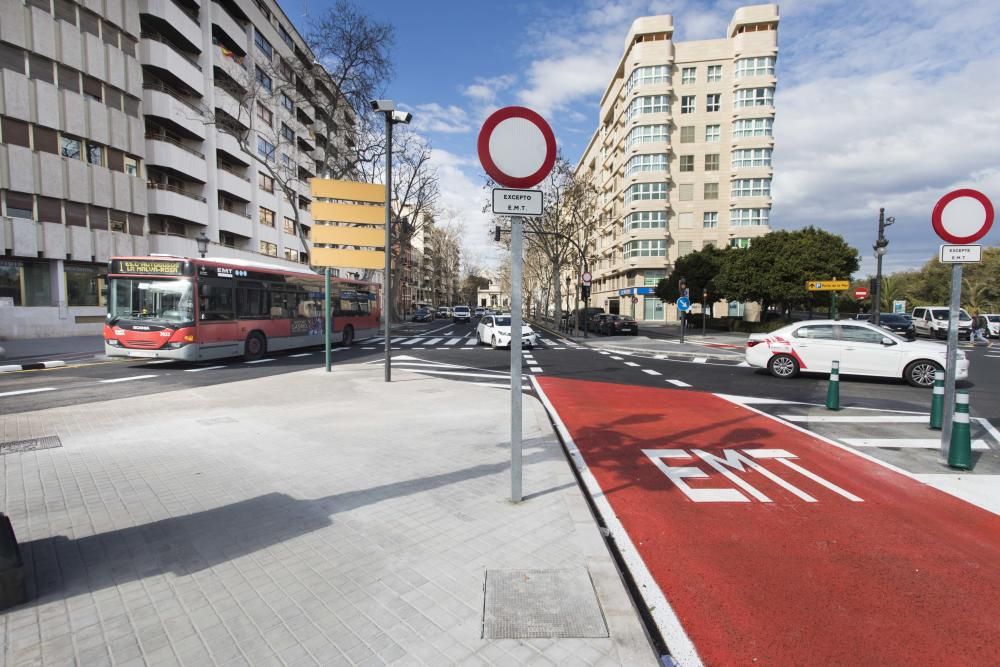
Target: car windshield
[
  {"x": 993, "y": 318},
  {"x": 943, "y": 314},
  {"x": 151, "y": 300},
  {"x": 893, "y": 318}
]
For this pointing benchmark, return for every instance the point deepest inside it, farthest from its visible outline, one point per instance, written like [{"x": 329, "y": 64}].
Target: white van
[{"x": 932, "y": 321}]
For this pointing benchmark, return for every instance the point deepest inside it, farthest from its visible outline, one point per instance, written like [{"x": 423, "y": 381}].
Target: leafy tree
[{"x": 699, "y": 270}]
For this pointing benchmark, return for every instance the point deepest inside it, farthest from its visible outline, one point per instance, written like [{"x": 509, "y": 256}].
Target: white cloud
[
  {"x": 433, "y": 117},
  {"x": 463, "y": 196}
]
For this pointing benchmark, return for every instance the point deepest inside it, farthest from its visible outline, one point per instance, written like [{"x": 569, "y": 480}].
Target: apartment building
[
  {"x": 133, "y": 127},
  {"x": 682, "y": 155}
]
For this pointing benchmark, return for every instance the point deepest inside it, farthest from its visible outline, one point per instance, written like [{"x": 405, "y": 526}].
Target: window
[
  {"x": 857, "y": 334},
  {"x": 90, "y": 23},
  {"x": 11, "y": 58},
  {"x": 286, "y": 102},
  {"x": 646, "y": 134},
  {"x": 252, "y": 297},
  {"x": 44, "y": 5},
  {"x": 95, "y": 154},
  {"x": 642, "y": 76},
  {"x": 754, "y": 97},
  {"x": 711, "y": 191},
  {"x": 685, "y": 192},
  {"x": 684, "y": 248},
  {"x": 646, "y": 248},
  {"x": 110, "y": 35},
  {"x": 289, "y": 226},
  {"x": 646, "y": 191},
  {"x": 687, "y": 163},
  {"x": 646, "y": 220},
  {"x": 92, "y": 88},
  {"x": 687, "y": 134},
  {"x": 119, "y": 220},
  {"x": 688, "y": 74},
  {"x": 266, "y": 217},
  {"x": 265, "y": 149},
  {"x": 45, "y": 139},
  {"x": 685, "y": 220},
  {"x": 263, "y": 45},
  {"x": 285, "y": 37},
  {"x": 128, "y": 45},
  {"x": 748, "y": 217},
  {"x": 287, "y": 133},
  {"x": 652, "y": 278},
  {"x": 265, "y": 182},
  {"x": 710, "y": 219},
  {"x": 70, "y": 147},
  {"x": 268, "y": 249},
  {"x": 646, "y": 163},
  {"x": 49, "y": 209},
  {"x": 16, "y": 132},
  {"x": 753, "y": 127},
  {"x": 714, "y": 73},
  {"x": 712, "y": 162},
  {"x": 761, "y": 66},
  {"x": 265, "y": 115},
  {"x": 131, "y": 166},
  {"x": 751, "y": 187},
  {"x": 216, "y": 301},
  {"x": 263, "y": 80},
  {"x": 713, "y": 102},
  {"x": 66, "y": 11},
  {"x": 648, "y": 104},
  {"x": 751, "y": 157},
  {"x": 687, "y": 104},
  {"x": 113, "y": 98},
  {"x": 69, "y": 78},
  {"x": 83, "y": 285},
  {"x": 711, "y": 133},
  {"x": 40, "y": 68},
  {"x": 20, "y": 205},
  {"x": 76, "y": 214},
  {"x": 814, "y": 331},
  {"x": 131, "y": 106}
]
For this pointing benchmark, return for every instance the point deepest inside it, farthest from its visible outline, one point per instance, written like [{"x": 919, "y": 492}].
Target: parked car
[
  {"x": 900, "y": 323},
  {"x": 933, "y": 321},
  {"x": 479, "y": 312},
  {"x": 495, "y": 330},
  {"x": 615, "y": 325},
  {"x": 596, "y": 321},
  {"x": 990, "y": 323},
  {"x": 461, "y": 314},
  {"x": 860, "y": 347},
  {"x": 423, "y": 315},
  {"x": 443, "y": 312}
]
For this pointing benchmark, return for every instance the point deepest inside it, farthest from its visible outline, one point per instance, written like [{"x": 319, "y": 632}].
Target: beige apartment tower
[{"x": 682, "y": 156}]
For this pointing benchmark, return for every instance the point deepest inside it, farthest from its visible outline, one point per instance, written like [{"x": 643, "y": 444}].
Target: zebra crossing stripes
[{"x": 468, "y": 341}]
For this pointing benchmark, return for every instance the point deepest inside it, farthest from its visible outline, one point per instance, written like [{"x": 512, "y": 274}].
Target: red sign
[
  {"x": 962, "y": 216},
  {"x": 516, "y": 147},
  {"x": 861, "y": 293}
]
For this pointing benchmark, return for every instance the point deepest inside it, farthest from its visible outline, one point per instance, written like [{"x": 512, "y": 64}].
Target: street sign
[
  {"x": 964, "y": 254},
  {"x": 684, "y": 304},
  {"x": 962, "y": 216},
  {"x": 828, "y": 285},
  {"x": 899, "y": 307},
  {"x": 516, "y": 147},
  {"x": 517, "y": 202},
  {"x": 861, "y": 293},
  {"x": 635, "y": 299},
  {"x": 586, "y": 277}
]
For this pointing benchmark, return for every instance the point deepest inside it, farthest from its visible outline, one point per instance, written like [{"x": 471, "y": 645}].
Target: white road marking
[
  {"x": 743, "y": 364},
  {"x": 301, "y": 354},
  {"x": 617, "y": 358},
  {"x": 906, "y": 443},
  {"x": 631, "y": 363},
  {"x": 158, "y": 361},
  {"x": 204, "y": 368},
  {"x": 372, "y": 348},
  {"x": 134, "y": 377},
  {"x": 650, "y": 372},
  {"x": 700, "y": 360},
  {"x": 747, "y": 400},
  {"x": 452, "y": 341},
  {"x": 604, "y": 352},
  {"x": 678, "y": 383},
  {"x": 473, "y": 375},
  {"x": 856, "y": 419},
  {"x": 433, "y": 341},
  {"x": 27, "y": 391},
  {"x": 259, "y": 361},
  {"x": 535, "y": 369},
  {"x": 411, "y": 341},
  {"x": 472, "y": 342}
]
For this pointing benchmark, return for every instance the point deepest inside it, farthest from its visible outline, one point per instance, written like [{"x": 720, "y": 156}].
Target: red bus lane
[{"x": 774, "y": 547}]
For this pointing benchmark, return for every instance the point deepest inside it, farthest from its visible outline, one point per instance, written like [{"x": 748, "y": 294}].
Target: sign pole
[
  {"x": 516, "y": 237},
  {"x": 950, "y": 361},
  {"x": 326, "y": 325}
]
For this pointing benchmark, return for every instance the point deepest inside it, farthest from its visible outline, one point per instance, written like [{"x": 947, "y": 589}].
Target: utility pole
[{"x": 880, "y": 248}]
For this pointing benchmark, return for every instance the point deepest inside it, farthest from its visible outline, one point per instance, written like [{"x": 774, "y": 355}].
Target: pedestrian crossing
[{"x": 446, "y": 341}]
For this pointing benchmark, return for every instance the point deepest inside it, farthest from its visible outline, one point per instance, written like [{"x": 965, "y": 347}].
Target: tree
[
  {"x": 777, "y": 266},
  {"x": 699, "y": 270}
]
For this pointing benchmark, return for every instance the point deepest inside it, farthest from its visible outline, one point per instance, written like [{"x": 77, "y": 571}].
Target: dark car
[
  {"x": 620, "y": 325},
  {"x": 423, "y": 315},
  {"x": 596, "y": 321},
  {"x": 897, "y": 323}
]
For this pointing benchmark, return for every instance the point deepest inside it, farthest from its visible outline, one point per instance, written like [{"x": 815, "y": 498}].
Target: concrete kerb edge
[{"x": 35, "y": 366}]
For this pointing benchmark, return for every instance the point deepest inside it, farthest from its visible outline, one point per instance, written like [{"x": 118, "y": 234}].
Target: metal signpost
[
  {"x": 585, "y": 281},
  {"x": 517, "y": 149},
  {"x": 684, "y": 305},
  {"x": 326, "y": 320},
  {"x": 961, "y": 217}
]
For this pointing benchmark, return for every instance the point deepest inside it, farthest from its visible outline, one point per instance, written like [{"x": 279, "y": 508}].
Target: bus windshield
[{"x": 151, "y": 299}]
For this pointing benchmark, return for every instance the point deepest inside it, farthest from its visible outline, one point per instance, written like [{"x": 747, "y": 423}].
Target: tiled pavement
[{"x": 298, "y": 519}]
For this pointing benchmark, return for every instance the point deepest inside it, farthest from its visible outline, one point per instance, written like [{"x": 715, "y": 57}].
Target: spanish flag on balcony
[{"x": 226, "y": 52}]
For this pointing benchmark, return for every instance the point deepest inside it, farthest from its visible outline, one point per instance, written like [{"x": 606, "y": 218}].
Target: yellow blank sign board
[
  {"x": 341, "y": 258},
  {"x": 828, "y": 285}
]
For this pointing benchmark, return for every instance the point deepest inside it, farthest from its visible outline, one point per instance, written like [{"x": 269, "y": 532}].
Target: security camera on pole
[
  {"x": 960, "y": 218},
  {"x": 517, "y": 149}
]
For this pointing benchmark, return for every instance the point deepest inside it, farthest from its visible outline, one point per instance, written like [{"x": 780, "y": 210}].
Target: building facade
[
  {"x": 682, "y": 155},
  {"x": 132, "y": 127}
]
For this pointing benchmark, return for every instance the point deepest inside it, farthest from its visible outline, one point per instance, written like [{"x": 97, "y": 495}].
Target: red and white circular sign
[
  {"x": 517, "y": 147},
  {"x": 962, "y": 216},
  {"x": 586, "y": 277},
  {"x": 861, "y": 293}
]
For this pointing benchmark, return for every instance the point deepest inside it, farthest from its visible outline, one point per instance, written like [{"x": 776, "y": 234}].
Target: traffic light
[
  {"x": 496, "y": 233},
  {"x": 585, "y": 291}
]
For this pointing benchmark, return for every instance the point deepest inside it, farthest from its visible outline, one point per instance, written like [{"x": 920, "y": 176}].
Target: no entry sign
[
  {"x": 962, "y": 216},
  {"x": 861, "y": 293},
  {"x": 517, "y": 147}
]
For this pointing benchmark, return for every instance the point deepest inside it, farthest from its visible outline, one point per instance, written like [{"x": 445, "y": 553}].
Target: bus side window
[
  {"x": 216, "y": 302},
  {"x": 281, "y": 304},
  {"x": 252, "y": 301},
  {"x": 364, "y": 303}
]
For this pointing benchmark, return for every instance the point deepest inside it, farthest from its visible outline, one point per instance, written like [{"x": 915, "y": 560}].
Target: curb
[{"x": 35, "y": 366}]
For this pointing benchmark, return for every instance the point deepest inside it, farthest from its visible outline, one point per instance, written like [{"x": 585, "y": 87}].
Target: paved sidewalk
[
  {"x": 721, "y": 347},
  {"x": 304, "y": 519},
  {"x": 51, "y": 349}
]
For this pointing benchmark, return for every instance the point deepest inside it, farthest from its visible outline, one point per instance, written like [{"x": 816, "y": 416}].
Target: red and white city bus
[{"x": 193, "y": 309}]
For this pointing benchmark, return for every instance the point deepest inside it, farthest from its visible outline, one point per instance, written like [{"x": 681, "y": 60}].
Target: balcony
[
  {"x": 230, "y": 181},
  {"x": 178, "y": 19},
  {"x": 228, "y": 24},
  {"x": 233, "y": 65},
  {"x": 175, "y": 202},
  {"x": 235, "y": 222},
  {"x": 227, "y": 101},
  {"x": 228, "y": 144},
  {"x": 169, "y": 104},
  {"x": 163, "y": 151},
  {"x": 155, "y": 52}
]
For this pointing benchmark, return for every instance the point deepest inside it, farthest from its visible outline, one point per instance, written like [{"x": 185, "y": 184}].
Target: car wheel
[
  {"x": 348, "y": 337},
  {"x": 255, "y": 347},
  {"x": 920, "y": 373},
  {"x": 783, "y": 366}
]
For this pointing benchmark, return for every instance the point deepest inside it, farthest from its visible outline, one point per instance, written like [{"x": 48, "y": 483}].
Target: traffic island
[{"x": 12, "y": 588}]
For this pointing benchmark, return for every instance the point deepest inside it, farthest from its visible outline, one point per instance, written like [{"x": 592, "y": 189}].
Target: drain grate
[
  {"x": 530, "y": 604},
  {"x": 30, "y": 445}
]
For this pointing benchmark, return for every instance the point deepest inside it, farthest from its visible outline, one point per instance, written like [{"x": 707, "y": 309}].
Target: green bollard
[
  {"x": 937, "y": 402},
  {"x": 833, "y": 390},
  {"x": 960, "y": 447}
]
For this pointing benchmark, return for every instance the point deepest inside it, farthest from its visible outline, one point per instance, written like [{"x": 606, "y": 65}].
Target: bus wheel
[
  {"x": 255, "y": 347},
  {"x": 348, "y": 337}
]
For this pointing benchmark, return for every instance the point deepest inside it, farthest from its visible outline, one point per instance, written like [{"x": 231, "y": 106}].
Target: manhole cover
[
  {"x": 526, "y": 604},
  {"x": 30, "y": 445}
]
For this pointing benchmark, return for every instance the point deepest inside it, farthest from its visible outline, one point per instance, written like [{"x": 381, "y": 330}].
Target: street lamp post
[
  {"x": 880, "y": 248},
  {"x": 202, "y": 242},
  {"x": 392, "y": 116}
]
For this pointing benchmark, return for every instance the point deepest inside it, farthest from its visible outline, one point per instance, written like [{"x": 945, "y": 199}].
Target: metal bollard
[
  {"x": 833, "y": 389},
  {"x": 960, "y": 447},
  {"x": 937, "y": 401}
]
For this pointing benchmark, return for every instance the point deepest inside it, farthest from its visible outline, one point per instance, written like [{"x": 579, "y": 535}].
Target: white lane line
[
  {"x": 206, "y": 368},
  {"x": 558, "y": 348},
  {"x": 301, "y": 354},
  {"x": 700, "y": 360},
  {"x": 452, "y": 341},
  {"x": 650, "y": 372},
  {"x": 535, "y": 369},
  {"x": 259, "y": 361},
  {"x": 433, "y": 341},
  {"x": 372, "y": 348},
  {"x": 617, "y": 358},
  {"x": 856, "y": 419},
  {"x": 678, "y": 383},
  {"x": 495, "y": 376},
  {"x": 605, "y": 352},
  {"x": 27, "y": 391},
  {"x": 748, "y": 400},
  {"x": 472, "y": 342},
  {"x": 631, "y": 363},
  {"x": 906, "y": 443},
  {"x": 134, "y": 377},
  {"x": 158, "y": 361}
]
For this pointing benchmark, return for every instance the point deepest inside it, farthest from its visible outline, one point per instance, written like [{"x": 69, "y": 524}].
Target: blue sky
[{"x": 885, "y": 103}]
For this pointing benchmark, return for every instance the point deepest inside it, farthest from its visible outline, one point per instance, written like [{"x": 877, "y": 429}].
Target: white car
[
  {"x": 495, "y": 330},
  {"x": 991, "y": 325},
  {"x": 860, "y": 347},
  {"x": 933, "y": 322}
]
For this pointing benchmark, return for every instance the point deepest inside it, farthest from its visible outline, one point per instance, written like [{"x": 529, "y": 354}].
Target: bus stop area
[{"x": 306, "y": 518}]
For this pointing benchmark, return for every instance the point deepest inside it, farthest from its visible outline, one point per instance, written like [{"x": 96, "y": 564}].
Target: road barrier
[
  {"x": 960, "y": 447},
  {"x": 937, "y": 401},
  {"x": 833, "y": 390}
]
